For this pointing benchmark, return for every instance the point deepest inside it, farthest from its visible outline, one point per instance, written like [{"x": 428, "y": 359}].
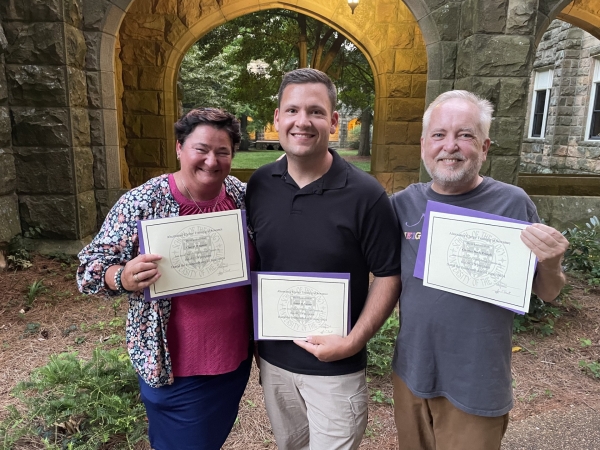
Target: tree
[{"x": 283, "y": 40}]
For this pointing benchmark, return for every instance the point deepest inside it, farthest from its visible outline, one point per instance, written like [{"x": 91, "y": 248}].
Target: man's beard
[{"x": 447, "y": 176}]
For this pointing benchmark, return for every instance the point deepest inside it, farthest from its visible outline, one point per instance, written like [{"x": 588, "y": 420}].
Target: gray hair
[
  {"x": 307, "y": 75},
  {"x": 486, "y": 109}
]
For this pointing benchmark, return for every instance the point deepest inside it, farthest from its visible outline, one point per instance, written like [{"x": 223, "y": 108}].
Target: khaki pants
[
  {"x": 436, "y": 424},
  {"x": 315, "y": 412}
]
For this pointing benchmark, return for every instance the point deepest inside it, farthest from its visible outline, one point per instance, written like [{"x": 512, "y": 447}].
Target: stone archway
[{"x": 154, "y": 37}]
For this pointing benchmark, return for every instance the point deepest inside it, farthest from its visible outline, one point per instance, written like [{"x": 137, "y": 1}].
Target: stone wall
[
  {"x": 47, "y": 97},
  {"x": 570, "y": 51},
  {"x": 9, "y": 210}
]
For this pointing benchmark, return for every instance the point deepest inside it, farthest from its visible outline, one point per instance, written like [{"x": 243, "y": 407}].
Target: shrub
[
  {"x": 583, "y": 255},
  {"x": 76, "y": 404},
  {"x": 380, "y": 348}
]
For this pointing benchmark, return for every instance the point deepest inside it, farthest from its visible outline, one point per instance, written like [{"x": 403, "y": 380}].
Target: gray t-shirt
[{"x": 449, "y": 345}]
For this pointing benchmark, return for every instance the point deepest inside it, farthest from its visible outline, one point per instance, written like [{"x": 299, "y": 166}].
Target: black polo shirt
[{"x": 343, "y": 222}]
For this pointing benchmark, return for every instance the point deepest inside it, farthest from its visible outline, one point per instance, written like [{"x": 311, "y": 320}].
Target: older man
[
  {"x": 452, "y": 378},
  {"x": 313, "y": 212}
]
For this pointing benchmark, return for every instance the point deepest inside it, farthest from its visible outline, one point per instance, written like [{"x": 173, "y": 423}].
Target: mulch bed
[{"x": 546, "y": 370}]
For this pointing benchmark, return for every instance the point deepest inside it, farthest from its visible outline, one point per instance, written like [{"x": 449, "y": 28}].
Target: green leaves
[{"x": 79, "y": 404}]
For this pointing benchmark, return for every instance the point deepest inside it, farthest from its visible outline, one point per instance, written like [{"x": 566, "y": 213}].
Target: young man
[
  {"x": 313, "y": 212},
  {"x": 452, "y": 380}
]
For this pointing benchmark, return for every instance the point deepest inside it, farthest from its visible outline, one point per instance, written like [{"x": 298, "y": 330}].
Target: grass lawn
[{"x": 253, "y": 159}]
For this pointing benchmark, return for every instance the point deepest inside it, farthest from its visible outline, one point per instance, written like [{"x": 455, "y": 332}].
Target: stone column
[
  {"x": 48, "y": 104},
  {"x": 494, "y": 48},
  {"x": 9, "y": 210}
]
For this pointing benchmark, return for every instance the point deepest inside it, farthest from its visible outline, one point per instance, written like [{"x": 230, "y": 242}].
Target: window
[
  {"x": 540, "y": 101},
  {"x": 593, "y": 129}
]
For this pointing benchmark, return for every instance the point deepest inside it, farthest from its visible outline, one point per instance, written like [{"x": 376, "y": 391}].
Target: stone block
[
  {"x": 44, "y": 170},
  {"x": 34, "y": 127},
  {"x": 144, "y": 53},
  {"x": 133, "y": 125},
  {"x": 94, "y": 89},
  {"x": 405, "y": 110},
  {"x": 386, "y": 179},
  {"x": 5, "y": 128},
  {"x": 10, "y": 225},
  {"x": 80, "y": 123},
  {"x": 399, "y": 85},
  {"x": 30, "y": 85},
  {"x": 466, "y": 19},
  {"x": 54, "y": 214},
  {"x": 504, "y": 168},
  {"x": 144, "y": 153},
  {"x": 146, "y": 26},
  {"x": 100, "y": 175},
  {"x": 77, "y": 83},
  {"x": 35, "y": 43},
  {"x": 130, "y": 76},
  {"x": 488, "y": 88},
  {"x": 75, "y": 47},
  {"x": 96, "y": 127},
  {"x": 151, "y": 78},
  {"x": 513, "y": 97},
  {"x": 385, "y": 61},
  {"x": 174, "y": 29},
  {"x": 489, "y": 16},
  {"x": 495, "y": 55},
  {"x": 414, "y": 133},
  {"x": 411, "y": 61},
  {"x": 3, "y": 86},
  {"x": 403, "y": 158},
  {"x": 396, "y": 133},
  {"x": 418, "y": 86},
  {"x": 189, "y": 11},
  {"x": 404, "y": 179},
  {"x": 84, "y": 168},
  {"x": 447, "y": 17},
  {"x": 401, "y": 36},
  {"x": 386, "y": 11},
  {"x": 8, "y": 175},
  {"x": 441, "y": 59},
  {"x": 3, "y": 41},
  {"x": 73, "y": 12},
  {"x": 506, "y": 134},
  {"x": 93, "y": 14},
  {"x": 92, "y": 43},
  {"x": 86, "y": 205},
  {"x": 141, "y": 102},
  {"x": 563, "y": 212},
  {"x": 32, "y": 10},
  {"x": 153, "y": 127}
]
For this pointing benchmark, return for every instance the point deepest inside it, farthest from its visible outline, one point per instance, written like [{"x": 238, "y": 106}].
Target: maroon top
[{"x": 209, "y": 333}]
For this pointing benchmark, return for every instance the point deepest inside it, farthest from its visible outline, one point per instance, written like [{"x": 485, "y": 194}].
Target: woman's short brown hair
[{"x": 214, "y": 117}]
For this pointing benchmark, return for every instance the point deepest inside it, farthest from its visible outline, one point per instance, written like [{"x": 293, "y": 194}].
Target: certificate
[
  {"x": 200, "y": 252},
  {"x": 296, "y": 305},
  {"x": 479, "y": 258}
]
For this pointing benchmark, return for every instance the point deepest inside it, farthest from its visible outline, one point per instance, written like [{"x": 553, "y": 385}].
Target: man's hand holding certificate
[{"x": 478, "y": 257}]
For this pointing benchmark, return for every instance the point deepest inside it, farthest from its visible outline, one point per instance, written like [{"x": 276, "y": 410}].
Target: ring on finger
[{"x": 135, "y": 277}]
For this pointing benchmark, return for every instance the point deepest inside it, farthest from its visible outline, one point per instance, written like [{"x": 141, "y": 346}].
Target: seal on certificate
[
  {"x": 477, "y": 258},
  {"x": 302, "y": 308},
  {"x": 197, "y": 252}
]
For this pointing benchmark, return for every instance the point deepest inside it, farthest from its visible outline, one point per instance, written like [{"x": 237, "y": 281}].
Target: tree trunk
[
  {"x": 245, "y": 143},
  {"x": 302, "y": 50},
  {"x": 364, "y": 145}
]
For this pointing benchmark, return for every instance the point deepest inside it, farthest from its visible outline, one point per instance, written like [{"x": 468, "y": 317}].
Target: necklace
[{"x": 200, "y": 209}]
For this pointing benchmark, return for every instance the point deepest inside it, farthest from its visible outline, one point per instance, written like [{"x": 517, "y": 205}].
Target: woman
[{"x": 191, "y": 353}]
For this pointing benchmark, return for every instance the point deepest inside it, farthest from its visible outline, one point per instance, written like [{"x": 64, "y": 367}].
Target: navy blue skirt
[{"x": 194, "y": 413}]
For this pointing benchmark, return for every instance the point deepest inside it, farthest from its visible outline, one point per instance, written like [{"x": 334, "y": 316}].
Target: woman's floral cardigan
[{"x": 117, "y": 243}]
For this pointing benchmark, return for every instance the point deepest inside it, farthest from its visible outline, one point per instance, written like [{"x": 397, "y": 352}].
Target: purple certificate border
[
  {"x": 419, "y": 271},
  {"x": 149, "y": 298},
  {"x": 254, "y": 276}
]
